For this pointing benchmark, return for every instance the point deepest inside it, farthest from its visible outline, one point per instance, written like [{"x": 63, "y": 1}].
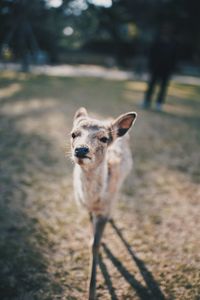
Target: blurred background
[
  {"x": 56, "y": 56},
  {"x": 105, "y": 32}
]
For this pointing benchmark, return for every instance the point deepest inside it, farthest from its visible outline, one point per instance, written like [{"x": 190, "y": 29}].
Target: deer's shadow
[{"x": 150, "y": 291}]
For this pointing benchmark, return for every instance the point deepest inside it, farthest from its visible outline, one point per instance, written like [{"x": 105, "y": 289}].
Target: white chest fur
[{"x": 91, "y": 188}]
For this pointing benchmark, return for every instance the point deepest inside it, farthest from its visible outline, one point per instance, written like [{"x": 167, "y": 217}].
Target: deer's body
[
  {"x": 97, "y": 189},
  {"x": 102, "y": 159}
]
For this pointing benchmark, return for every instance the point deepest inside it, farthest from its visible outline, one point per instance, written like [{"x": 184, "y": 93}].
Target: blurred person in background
[{"x": 162, "y": 62}]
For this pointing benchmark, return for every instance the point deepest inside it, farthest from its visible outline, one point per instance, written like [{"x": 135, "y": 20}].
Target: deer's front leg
[{"x": 99, "y": 223}]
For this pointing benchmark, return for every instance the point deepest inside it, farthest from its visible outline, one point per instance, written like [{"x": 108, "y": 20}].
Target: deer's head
[{"x": 90, "y": 138}]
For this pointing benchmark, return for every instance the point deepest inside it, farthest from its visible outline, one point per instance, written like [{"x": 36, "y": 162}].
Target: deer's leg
[{"x": 99, "y": 223}]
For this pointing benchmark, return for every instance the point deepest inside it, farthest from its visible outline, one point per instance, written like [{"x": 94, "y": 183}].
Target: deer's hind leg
[{"x": 99, "y": 223}]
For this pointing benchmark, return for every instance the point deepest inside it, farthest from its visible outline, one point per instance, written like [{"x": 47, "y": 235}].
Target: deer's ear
[
  {"x": 123, "y": 123},
  {"x": 81, "y": 112}
]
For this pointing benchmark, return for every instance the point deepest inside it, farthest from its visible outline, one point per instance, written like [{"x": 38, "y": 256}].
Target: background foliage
[{"x": 125, "y": 28}]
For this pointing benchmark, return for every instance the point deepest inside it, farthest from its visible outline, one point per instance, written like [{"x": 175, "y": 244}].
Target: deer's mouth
[
  {"x": 82, "y": 160},
  {"x": 82, "y": 156},
  {"x": 85, "y": 157}
]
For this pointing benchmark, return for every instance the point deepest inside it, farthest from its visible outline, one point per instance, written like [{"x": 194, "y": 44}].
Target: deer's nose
[{"x": 81, "y": 151}]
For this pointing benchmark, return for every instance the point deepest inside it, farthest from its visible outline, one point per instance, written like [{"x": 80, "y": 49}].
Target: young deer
[{"x": 100, "y": 150}]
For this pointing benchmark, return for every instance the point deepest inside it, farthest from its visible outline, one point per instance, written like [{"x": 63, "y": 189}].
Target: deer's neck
[{"x": 94, "y": 181}]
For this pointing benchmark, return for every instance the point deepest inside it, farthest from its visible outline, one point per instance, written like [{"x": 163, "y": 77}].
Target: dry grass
[{"x": 153, "y": 250}]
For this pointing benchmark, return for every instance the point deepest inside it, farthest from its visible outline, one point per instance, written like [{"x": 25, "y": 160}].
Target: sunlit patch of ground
[
  {"x": 10, "y": 90},
  {"x": 152, "y": 251}
]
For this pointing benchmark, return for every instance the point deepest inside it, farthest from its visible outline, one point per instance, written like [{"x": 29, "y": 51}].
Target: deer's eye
[
  {"x": 104, "y": 139},
  {"x": 74, "y": 135}
]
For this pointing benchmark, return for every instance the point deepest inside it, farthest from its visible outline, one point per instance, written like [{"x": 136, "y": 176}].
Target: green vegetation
[
  {"x": 44, "y": 238},
  {"x": 38, "y": 30}
]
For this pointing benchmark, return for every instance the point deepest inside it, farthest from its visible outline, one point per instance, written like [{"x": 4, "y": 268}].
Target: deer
[{"x": 102, "y": 160}]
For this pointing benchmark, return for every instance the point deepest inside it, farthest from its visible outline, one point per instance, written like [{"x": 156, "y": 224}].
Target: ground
[{"x": 151, "y": 251}]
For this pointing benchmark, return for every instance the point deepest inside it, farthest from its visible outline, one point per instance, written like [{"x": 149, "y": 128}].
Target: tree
[
  {"x": 125, "y": 28},
  {"x": 29, "y": 26}
]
